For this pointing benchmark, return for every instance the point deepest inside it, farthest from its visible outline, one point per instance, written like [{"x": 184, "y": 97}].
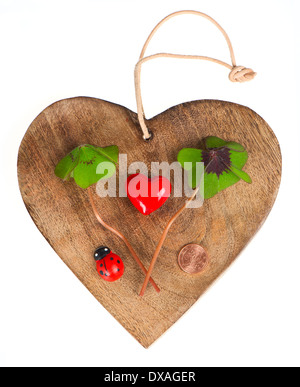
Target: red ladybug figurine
[{"x": 109, "y": 265}]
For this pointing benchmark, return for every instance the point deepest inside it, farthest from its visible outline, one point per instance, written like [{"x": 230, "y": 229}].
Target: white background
[{"x": 57, "y": 49}]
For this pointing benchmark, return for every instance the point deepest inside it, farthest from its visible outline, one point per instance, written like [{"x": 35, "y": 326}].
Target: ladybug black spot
[
  {"x": 118, "y": 261},
  {"x": 101, "y": 265},
  {"x": 111, "y": 259},
  {"x": 101, "y": 272}
]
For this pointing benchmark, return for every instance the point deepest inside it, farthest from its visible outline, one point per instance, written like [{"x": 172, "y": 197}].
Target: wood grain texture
[{"x": 224, "y": 225}]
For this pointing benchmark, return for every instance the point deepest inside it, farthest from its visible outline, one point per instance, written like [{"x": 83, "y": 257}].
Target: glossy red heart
[{"x": 147, "y": 194}]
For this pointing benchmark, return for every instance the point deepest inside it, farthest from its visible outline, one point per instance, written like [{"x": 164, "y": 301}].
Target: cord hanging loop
[{"x": 237, "y": 73}]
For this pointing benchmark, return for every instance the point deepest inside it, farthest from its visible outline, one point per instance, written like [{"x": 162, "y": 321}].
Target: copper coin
[{"x": 193, "y": 258}]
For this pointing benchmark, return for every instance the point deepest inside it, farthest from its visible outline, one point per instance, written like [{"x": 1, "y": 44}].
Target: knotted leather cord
[{"x": 237, "y": 73}]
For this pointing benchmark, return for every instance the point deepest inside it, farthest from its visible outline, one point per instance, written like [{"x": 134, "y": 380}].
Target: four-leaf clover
[{"x": 223, "y": 162}]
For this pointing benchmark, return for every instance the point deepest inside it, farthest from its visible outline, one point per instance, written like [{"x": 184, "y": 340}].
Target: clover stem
[
  {"x": 121, "y": 236},
  {"x": 162, "y": 239}
]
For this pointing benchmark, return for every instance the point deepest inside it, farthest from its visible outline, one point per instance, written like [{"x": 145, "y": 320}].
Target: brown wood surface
[{"x": 224, "y": 225}]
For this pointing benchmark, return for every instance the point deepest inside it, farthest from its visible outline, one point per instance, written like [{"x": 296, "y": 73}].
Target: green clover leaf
[
  {"x": 88, "y": 164},
  {"x": 223, "y": 164}
]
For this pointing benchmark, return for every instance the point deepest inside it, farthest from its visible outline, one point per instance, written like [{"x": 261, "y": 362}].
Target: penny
[{"x": 193, "y": 258}]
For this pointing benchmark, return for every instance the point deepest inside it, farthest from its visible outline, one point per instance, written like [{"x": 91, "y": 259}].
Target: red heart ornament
[{"x": 147, "y": 194}]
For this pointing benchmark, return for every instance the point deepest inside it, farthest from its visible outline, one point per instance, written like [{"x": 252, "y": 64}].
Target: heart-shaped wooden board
[{"x": 224, "y": 224}]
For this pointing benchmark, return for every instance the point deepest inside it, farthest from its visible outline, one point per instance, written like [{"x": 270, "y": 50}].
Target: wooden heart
[{"x": 224, "y": 225}]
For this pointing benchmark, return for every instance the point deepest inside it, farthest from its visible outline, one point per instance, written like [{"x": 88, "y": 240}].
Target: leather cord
[{"x": 237, "y": 73}]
